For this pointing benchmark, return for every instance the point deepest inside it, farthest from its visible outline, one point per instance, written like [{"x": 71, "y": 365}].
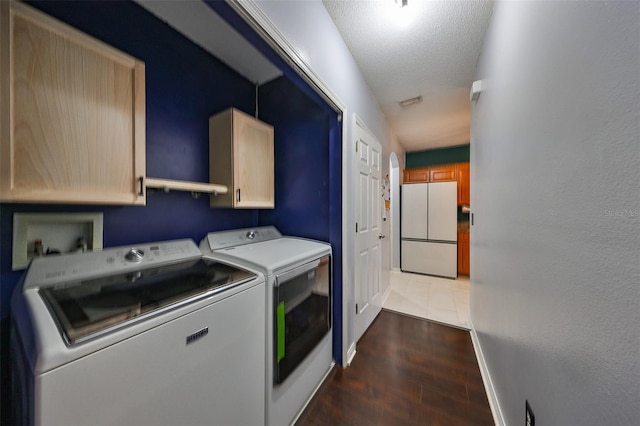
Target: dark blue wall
[
  {"x": 308, "y": 175},
  {"x": 301, "y": 131},
  {"x": 184, "y": 86},
  {"x": 335, "y": 159}
]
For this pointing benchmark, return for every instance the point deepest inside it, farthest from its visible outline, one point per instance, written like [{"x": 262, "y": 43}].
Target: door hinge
[
  {"x": 356, "y": 227},
  {"x": 357, "y": 146},
  {"x": 356, "y": 309}
]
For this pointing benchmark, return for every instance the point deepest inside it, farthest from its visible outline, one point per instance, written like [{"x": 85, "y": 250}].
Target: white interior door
[{"x": 368, "y": 211}]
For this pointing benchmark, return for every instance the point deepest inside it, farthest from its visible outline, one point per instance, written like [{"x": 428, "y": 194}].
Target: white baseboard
[
  {"x": 386, "y": 294},
  {"x": 351, "y": 353},
  {"x": 494, "y": 404}
]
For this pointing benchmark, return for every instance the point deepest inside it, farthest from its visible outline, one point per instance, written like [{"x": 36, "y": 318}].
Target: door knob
[{"x": 381, "y": 236}]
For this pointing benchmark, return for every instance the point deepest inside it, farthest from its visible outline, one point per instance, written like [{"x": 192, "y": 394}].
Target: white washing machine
[
  {"x": 298, "y": 311},
  {"x": 145, "y": 335}
]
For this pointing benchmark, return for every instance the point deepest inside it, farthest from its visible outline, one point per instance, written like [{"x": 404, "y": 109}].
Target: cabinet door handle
[
  {"x": 141, "y": 181},
  {"x": 238, "y": 195}
]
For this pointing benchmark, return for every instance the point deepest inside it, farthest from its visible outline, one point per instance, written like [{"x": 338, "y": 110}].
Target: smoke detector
[
  {"x": 410, "y": 101},
  {"x": 476, "y": 89}
]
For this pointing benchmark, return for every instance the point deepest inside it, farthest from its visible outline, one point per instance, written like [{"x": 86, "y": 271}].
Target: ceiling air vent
[{"x": 410, "y": 101}]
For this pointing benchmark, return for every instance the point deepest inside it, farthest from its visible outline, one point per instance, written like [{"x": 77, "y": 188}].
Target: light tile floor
[{"x": 438, "y": 299}]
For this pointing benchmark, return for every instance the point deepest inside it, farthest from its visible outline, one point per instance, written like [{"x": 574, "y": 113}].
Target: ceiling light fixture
[
  {"x": 395, "y": 11},
  {"x": 410, "y": 101}
]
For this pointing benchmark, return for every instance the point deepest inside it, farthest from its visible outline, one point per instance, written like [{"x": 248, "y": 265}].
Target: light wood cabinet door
[
  {"x": 464, "y": 184},
  {"x": 420, "y": 175},
  {"x": 241, "y": 156},
  {"x": 442, "y": 173},
  {"x": 72, "y": 114}
]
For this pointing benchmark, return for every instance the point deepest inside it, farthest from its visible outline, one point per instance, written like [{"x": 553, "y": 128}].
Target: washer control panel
[
  {"x": 134, "y": 255},
  {"x": 51, "y": 270}
]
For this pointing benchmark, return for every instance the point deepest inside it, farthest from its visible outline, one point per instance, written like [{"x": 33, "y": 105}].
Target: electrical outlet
[{"x": 530, "y": 419}]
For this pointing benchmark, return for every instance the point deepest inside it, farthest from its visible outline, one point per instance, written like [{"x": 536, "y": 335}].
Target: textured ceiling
[{"x": 429, "y": 49}]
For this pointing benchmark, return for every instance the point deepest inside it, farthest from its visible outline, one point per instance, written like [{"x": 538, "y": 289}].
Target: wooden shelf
[{"x": 167, "y": 185}]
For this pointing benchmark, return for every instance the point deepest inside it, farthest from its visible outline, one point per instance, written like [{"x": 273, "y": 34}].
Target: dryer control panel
[{"x": 240, "y": 237}]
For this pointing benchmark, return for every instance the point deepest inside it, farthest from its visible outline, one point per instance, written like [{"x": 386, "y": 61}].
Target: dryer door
[{"x": 302, "y": 314}]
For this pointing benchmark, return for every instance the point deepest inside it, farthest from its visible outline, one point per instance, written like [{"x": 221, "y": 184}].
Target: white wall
[
  {"x": 308, "y": 27},
  {"x": 555, "y": 249}
]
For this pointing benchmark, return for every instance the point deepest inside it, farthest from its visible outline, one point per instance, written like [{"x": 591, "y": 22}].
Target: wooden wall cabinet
[
  {"x": 72, "y": 114},
  {"x": 438, "y": 173},
  {"x": 463, "y": 253},
  {"x": 241, "y": 157},
  {"x": 418, "y": 175},
  {"x": 442, "y": 173},
  {"x": 464, "y": 184}
]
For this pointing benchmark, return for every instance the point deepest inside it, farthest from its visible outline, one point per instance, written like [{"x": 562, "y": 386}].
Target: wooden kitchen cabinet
[
  {"x": 437, "y": 173},
  {"x": 463, "y": 253},
  {"x": 241, "y": 157},
  {"x": 442, "y": 173},
  {"x": 72, "y": 114},
  {"x": 464, "y": 184},
  {"x": 416, "y": 175}
]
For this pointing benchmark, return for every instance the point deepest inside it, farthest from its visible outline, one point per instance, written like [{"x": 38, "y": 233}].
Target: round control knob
[
  {"x": 251, "y": 234},
  {"x": 134, "y": 255}
]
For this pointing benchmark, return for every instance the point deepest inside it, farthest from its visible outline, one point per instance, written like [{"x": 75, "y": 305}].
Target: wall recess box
[{"x": 59, "y": 231}]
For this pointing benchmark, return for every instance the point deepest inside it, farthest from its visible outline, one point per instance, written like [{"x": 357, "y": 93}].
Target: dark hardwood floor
[{"x": 407, "y": 371}]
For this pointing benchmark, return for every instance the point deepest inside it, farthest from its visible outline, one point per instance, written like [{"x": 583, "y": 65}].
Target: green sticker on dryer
[{"x": 280, "y": 331}]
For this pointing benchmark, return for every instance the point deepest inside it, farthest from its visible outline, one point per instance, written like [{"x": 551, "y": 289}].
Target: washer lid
[{"x": 86, "y": 309}]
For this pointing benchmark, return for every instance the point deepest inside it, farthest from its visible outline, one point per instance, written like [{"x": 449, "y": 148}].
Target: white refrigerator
[{"x": 429, "y": 229}]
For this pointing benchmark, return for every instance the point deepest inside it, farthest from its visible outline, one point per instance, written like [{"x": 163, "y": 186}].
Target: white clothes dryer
[{"x": 298, "y": 311}]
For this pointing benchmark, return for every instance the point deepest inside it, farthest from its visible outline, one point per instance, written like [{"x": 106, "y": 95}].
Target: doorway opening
[{"x": 431, "y": 297}]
